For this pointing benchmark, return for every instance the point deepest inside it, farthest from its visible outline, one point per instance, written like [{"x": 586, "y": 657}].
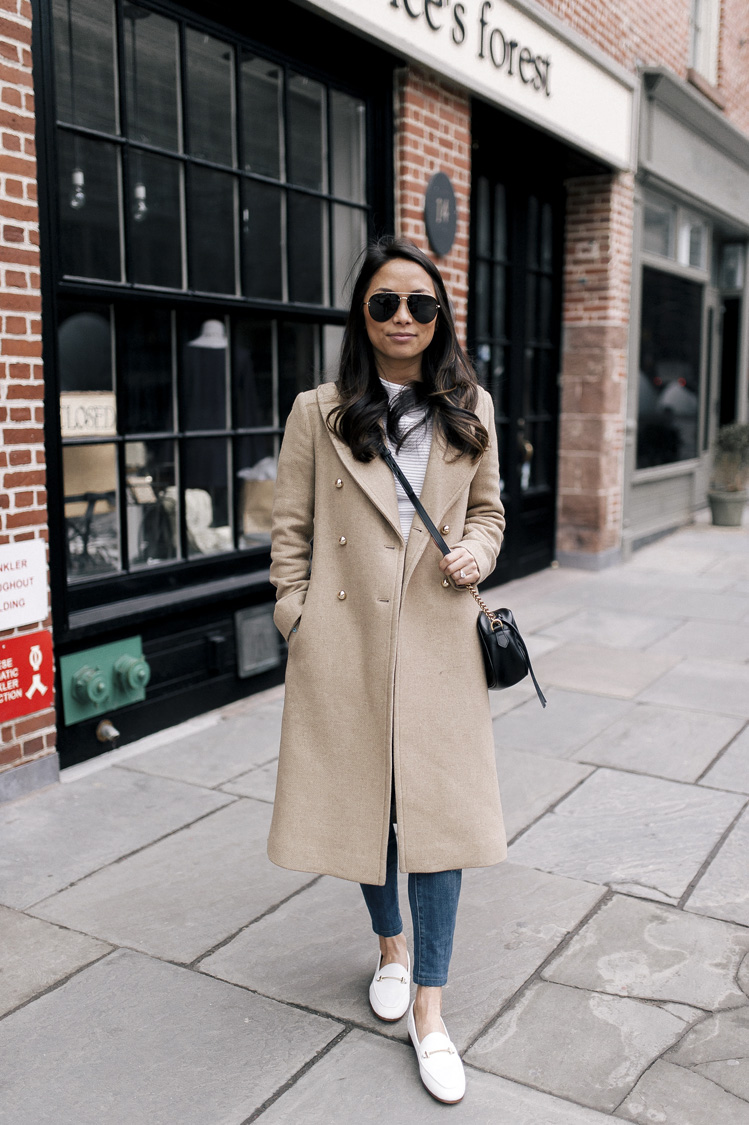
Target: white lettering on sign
[
  {"x": 522, "y": 60},
  {"x": 23, "y": 583},
  {"x": 442, "y": 210}
]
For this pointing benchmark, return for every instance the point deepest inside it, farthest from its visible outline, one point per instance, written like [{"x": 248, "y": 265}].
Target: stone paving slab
[
  {"x": 133, "y": 1040},
  {"x": 723, "y": 891},
  {"x": 718, "y": 1049},
  {"x": 611, "y": 628},
  {"x": 622, "y": 673},
  {"x": 621, "y": 590},
  {"x": 557, "y": 731},
  {"x": 370, "y": 1080},
  {"x": 580, "y": 1045},
  {"x": 734, "y": 566},
  {"x": 670, "y": 1095},
  {"x": 713, "y": 640},
  {"x": 500, "y": 702},
  {"x": 318, "y": 949},
  {"x": 653, "y": 952},
  {"x": 663, "y": 741},
  {"x": 703, "y": 685},
  {"x": 185, "y": 894},
  {"x": 531, "y": 614},
  {"x": 220, "y": 753},
  {"x": 35, "y": 955},
  {"x": 639, "y": 834},
  {"x": 259, "y": 783},
  {"x": 731, "y": 771},
  {"x": 530, "y": 784},
  {"x": 54, "y": 837},
  {"x": 673, "y": 559},
  {"x": 705, "y": 605}
]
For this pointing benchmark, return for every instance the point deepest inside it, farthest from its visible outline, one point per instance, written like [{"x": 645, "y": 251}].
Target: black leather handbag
[{"x": 506, "y": 659}]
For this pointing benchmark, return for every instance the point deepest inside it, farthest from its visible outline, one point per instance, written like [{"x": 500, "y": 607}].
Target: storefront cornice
[
  {"x": 688, "y": 105},
  {"x": 491, "y": 48}
]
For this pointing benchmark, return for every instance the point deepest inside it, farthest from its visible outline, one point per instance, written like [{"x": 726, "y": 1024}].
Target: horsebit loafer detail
[
  {"x": 440, "y": 1065},
  {"x": 390, "y": 990}
]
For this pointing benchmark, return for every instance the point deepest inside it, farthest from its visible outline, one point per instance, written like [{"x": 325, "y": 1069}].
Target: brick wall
[
  {"x": 640, "y": 33},
  {"x": 598, "y": 258},
  {"x": 433, "y": 134},
  {"x": 23, "y": 496}
]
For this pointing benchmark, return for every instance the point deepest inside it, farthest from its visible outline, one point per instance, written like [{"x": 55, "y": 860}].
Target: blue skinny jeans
[{"x": 434, "y": 906}]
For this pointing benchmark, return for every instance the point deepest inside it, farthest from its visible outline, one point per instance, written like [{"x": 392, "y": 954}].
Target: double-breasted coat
[{"x": 385, "y": 680}]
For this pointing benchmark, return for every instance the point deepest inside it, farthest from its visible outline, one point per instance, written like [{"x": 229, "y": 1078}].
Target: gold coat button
[
  {"x": 444, "y": 583},
  {"x": 445, "y": 528},
  {"x": 343, "y": 541},
  {"x": 341, "y": 595},
  {"x": 339, "y": 483}
]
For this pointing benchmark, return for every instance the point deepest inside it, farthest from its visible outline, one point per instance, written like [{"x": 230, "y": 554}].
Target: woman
[{"x": 386, "y": 717}]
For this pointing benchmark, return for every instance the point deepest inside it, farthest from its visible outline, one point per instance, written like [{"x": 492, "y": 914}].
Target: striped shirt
[{"x": 412, "y": 458}]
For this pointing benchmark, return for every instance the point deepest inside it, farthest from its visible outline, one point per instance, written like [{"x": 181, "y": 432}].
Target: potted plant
[{"x": 728, "y": 494}]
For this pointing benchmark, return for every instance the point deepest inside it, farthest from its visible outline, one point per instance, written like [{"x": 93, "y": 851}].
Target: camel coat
[{"x": 385, "y": 677}]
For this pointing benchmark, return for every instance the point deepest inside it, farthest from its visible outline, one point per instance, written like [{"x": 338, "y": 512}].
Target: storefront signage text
[
  {"x": 23, "y": 583},
  {"x": 490, "y": 41},
  {"x": 88, "y": 414}
]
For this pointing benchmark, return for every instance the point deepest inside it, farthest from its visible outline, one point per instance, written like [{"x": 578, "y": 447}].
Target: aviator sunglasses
[{"x": 384, "y": 306}]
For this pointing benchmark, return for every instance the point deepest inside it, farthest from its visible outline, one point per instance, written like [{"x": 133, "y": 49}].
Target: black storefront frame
[{"x": 130, "y": 602}]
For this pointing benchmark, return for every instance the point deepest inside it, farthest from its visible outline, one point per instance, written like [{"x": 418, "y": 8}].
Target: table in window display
[
  {"x": 152, "y": 503},
  {"x": 205, "y": 475},
  {"x": 90, "y": 507}
]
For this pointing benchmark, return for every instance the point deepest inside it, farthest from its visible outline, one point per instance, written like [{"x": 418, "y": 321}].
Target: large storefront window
[
  {"x": 212, "y": 201},
  {"x": 670, "y": 357}
]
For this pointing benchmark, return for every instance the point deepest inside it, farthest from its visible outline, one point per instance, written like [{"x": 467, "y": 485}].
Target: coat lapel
[{"x": 373, "y": 477}]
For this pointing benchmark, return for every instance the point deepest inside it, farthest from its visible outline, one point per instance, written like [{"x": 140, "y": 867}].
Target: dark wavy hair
[{"x": 448, "y": 386}]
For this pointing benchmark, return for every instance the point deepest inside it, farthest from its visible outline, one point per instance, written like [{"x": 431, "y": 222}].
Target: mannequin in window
[{"x": 203, "y": 407}]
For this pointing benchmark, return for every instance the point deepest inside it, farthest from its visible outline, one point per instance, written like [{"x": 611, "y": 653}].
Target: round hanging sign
[{"x": 440, "y": 213}]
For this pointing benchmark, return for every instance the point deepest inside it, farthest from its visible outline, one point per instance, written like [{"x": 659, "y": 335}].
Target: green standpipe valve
[
  {"x": 132, "y": 672},
  {"x": 89, "y": 686}
]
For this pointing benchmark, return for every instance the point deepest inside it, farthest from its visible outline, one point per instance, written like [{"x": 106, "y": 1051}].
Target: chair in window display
[{"x": 91, "y": 513}]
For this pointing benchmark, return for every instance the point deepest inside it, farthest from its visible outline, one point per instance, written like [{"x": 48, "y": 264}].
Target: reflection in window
[
  {"x": 256, "y": 458},
  {"x": 262, "y": 241},
  {"x": 90, "y": 507},
  {"x": 658, "y": 228},
  {"x": 349, "y": 238},
  {"x": 253, "y": 374},
  {"x": 211, "y": 230},
  {"x": 89, "y": 208},
  {"x": 154, "y": 199},
  {"x": 298, "y": 363},
  {"x": 205, "y": 471},
  {"x": 347, "y": 135},
  {"x": 307, "y": 248},
  {"x": 84, "y": 63},
  {"x": 210, "y": 100},
  {"x": 261, "y": 86},
  {"x": 151, "y": 78},
  {"x": 152, "y": 520},
  {"x": 204, "y": 374},
  {"x": 145, "y": 341},
  {"x": 668, "y": 400},
  {"x": 306, "y": 155}
]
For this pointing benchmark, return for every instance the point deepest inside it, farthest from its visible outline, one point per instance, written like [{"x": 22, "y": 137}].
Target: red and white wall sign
[{"x": 26, "y": 675}]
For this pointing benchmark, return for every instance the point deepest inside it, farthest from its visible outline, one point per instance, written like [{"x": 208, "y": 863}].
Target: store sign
[
  {"x": 23, "y": 583},
  {"x": 26, "y": 675},
  {"x": 524, "y": 62},
  {"x": 88, "y": 414},
  {"x": 440, "y": 214}
]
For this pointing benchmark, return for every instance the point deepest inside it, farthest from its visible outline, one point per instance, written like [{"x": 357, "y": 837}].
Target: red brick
[
  {"x": 24, "y": 480},
  {"x": 28, "y": 518}
]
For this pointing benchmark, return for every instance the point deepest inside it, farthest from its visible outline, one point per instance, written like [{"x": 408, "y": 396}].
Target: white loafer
[
  {"x": 390, "y": 990},
  {"x": 440, "y": 1065}
]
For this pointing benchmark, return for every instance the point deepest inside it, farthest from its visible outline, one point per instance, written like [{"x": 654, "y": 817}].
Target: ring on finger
[{"x": 462, "y": 574}]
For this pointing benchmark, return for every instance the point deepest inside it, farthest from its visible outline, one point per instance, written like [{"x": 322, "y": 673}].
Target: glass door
[{"x": 515, "y": 321}]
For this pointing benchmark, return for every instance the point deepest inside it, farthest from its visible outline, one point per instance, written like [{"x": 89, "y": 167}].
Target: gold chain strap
[{"x": 492, "y": 617}]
